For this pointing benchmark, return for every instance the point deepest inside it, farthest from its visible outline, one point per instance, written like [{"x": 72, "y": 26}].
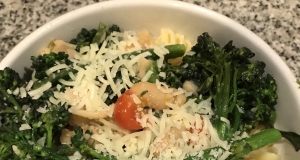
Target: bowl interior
[{"x": 187, "y": 19}]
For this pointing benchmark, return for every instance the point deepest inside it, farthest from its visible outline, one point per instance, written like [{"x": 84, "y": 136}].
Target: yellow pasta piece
[
  {"x": 265, "y": 153},
  {"x": 168, "y": 37}
]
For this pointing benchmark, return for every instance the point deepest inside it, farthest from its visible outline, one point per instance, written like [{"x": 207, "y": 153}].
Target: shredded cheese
[
  {"x": 24, "y": 127},
  {"x": 16, "y": 149},
  {"x": 147, "y": 76},
  {"x": 174, "y": 133},
  {"x": 40, "y": 90},
  {"x": 56, "y": 68}
]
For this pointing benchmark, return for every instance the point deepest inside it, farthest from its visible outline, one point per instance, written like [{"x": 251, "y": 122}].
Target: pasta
[
  {"x": 167, "y": 37},
  {"x": 265, "y": 153}
]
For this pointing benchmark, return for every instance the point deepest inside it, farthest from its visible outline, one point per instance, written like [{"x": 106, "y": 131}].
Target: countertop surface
[{"x": 276, "y": 21}]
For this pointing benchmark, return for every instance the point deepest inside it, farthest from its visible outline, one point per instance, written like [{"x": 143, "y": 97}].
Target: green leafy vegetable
[
  {"x": 153, "y": 67},
  {"x": 293, "y": 138},
  {"x": 101, "y": 33},
  {"x": 226, "y": 74},
  {"x": 241, "y": 91},
  {"x": 84, "y": 38},
  {"x": 9, "y": 81},
  {"x": 44, "y": 62},
  {"x": 175, "y": 50}
]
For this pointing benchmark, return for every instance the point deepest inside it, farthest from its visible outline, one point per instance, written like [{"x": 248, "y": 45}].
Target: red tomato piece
[{"x": 125, "y": 112}]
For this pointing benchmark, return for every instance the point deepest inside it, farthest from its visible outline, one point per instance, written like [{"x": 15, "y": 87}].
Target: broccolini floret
[
  {"x": 9, "y": 81},
  {"x": 44, "y": 62},
  {"x": 52, "y": 125},
  {"x": 10, "y": 104},
  {"x": 15, "y": 114},
  {"x": 226, "y": 74},
  {"x": 86, "y": 37},
  {"x": 113, "y": 28},
  {"x": 241, "y": 91}
]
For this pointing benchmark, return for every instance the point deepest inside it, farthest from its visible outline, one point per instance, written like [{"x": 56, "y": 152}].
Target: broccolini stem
[
  {"x": 225, "y": 91},
  {"x": 9, "y": 110},
  {"x": 236, "y": 121},
  {"x": 89, "y": 151},
  {"x": 234, "y": 90},
  {"x": 244, "y": 146},
  {"x": 11, "y": 99},
  {"x": 101, "y": 33},
  {"x": 263, "y": 138},
  {"x": 175, "y": 50},
  {"x": 153, "y": 67},
  {"x": 49, "y": 129},
  {"x": 206, "y": 85},
  {"x": 237, "y": 114},
  {"x": 221, "y": 100}
]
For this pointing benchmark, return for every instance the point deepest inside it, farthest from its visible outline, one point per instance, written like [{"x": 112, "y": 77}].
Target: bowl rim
[
  {"x": 32, "y": 37},
  {"x": 116, "y": 3}
]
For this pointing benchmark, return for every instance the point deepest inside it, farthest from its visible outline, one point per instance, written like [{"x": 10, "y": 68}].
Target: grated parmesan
[
  {"x": 39, "y": 91},
  {"x": 16, "y": 91},
  {"x": 16, "y": 149},
  {"x": 177, "y": 133},
  {"x": 135, "y": 99},
  {"x": 147, "y": 76},
  {"x": 41, "y": 141},
  {"x": 24, "y": 127},
  {"x": 42, "y": 110},
  {"x": 56, "y": 68}
]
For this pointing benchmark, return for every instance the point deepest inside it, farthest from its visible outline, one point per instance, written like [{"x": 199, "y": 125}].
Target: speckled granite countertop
[{"x": 276, "y": 21}]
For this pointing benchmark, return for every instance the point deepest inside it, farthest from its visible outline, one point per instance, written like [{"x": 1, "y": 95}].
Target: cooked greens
[{"x": 241, "y": 90}]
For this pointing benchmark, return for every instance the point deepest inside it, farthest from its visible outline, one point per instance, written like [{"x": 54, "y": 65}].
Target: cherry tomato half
[{"x": 125, "y": 112}]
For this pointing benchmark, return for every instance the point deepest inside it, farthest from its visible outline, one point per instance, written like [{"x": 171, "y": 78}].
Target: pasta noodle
[
  {"x": 167, "y": 37},
  {"x": 266, "y": 153}
]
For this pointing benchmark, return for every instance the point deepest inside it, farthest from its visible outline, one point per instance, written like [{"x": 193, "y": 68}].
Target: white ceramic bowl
[{"x": 188, "y": 19}]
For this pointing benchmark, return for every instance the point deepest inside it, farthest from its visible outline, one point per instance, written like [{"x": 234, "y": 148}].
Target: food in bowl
[{"x": 112, "y": 94}]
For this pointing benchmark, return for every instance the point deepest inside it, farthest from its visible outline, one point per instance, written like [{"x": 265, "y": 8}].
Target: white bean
[
  {"x": 190, "y": 86},
  {"x": 89, "y": 114},
  {"x": 65, "y": 136},
  {"x": 60, "y": 46},
  {"x": 155, "y": 98}
]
